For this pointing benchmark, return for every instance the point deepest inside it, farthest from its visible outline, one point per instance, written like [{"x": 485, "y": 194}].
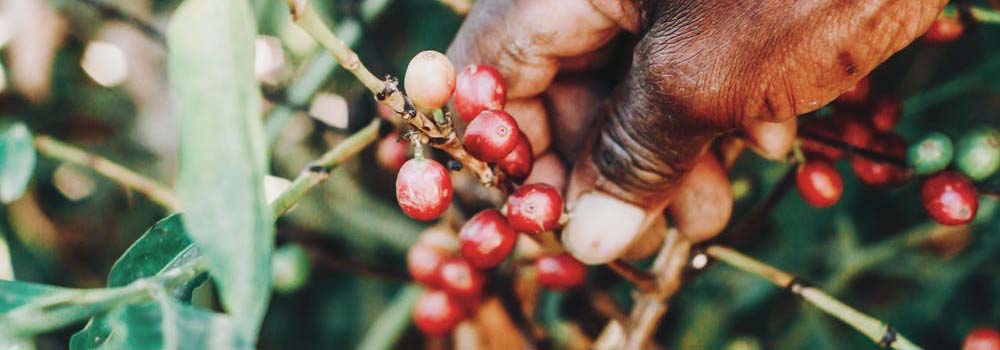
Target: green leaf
[
  {"x": 163, "y": 247},
  {"x": 17, "y": 161},
  {"x": 223, "y": 156},
  {"x": 15, "y": 294},
  {"x": 170, "y": 325}
]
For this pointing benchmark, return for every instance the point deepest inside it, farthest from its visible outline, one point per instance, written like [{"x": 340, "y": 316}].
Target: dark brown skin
[{"x": 700, "y": 68}]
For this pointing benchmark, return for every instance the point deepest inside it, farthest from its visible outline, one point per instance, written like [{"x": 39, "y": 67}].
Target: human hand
[{"x": 699, "y": 69}]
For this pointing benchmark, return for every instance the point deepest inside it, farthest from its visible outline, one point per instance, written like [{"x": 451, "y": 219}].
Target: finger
[
  {"x": 573, "y": 104},
  {"x": 678, "y": 95},
  {"x": 548, "y": 169},
  {"x": 531, "y": 119},
  {"x": 772, "y": 140},
  {"x": 525, "y": 40},
  {"x": 704, "y": 201},
  {"x": 649, "y": 242}
]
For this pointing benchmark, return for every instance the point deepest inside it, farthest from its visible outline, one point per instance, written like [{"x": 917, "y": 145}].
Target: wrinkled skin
[{"x": 700, "y": 68}]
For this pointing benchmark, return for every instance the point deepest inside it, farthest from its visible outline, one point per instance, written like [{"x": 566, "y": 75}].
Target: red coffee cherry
[
  {"x": 534, "y": 208},
  {"x": 391, "y": 152},
  {"x": 517, "y": 164},
  {"x": 856, "y": 133},
  {"x": 429, "y": 80},
  {"x": 560, "y": 271},
  {"x": 950, "y": 198},
  {"x": 885, "y": 113},
  {"x": 944, "y": 30},
  {"x": 423, "y": 261},
  {"x": 819, "y": 183},
  {"x": 982, "y": 338},
  {"x": 423, "y": 189},
  {"x": 460, "y": 279},
  {"x": 491, "y": 136},
  {"x": 878, "y": 173},
  {"x": 479, "y": 87},
  {"x": 436, "y": 313},
  {"x": 486, "y": 239},
  {"x": 856, "y": 95}
]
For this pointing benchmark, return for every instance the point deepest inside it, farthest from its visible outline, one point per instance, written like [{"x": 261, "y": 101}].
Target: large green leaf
[
  {"x": 223, "y": 156},
  {"x": 17, "y": 161},
  {"x": 169, "y": 325},
  {"x": 163, "y": 247}
]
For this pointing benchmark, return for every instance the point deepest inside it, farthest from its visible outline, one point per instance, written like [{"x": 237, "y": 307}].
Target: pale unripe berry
[{"x": 429, "y": 80}]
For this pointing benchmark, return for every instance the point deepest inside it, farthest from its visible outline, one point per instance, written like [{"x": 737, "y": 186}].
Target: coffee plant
[{"x": 235, "y": 174}]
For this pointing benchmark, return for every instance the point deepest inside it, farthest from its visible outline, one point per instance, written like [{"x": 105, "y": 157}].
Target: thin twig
[
  {"x": 156, "y": 191},
  {"x": 440, "y": 135},
  {"x": 880, "y": 333},
  {"x": 110, "y": 11},
  {"x": 760, "y": 211},
  {"x": 856, "y": 151},
  {"x": 643, "y": 280}
]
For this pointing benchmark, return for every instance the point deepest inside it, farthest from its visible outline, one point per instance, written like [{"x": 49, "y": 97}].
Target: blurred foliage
[{"x": 933, "y": 293}]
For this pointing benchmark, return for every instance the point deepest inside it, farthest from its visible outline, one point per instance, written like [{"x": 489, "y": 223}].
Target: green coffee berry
[
  {"x": 289, "y": 268},
  {"x": 978, "y": 154},
  {"x": 930, "y": 154}
]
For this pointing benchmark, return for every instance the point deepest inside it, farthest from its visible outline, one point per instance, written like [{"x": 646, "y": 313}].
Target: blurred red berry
[
  {"x": 423, "y": 260},
  {"x": 391, "y": 152},
  {"x": 950, "y": 198},
  {"x": 429, "y": 80},
  {"x": 436, "y": 313},
  {"x": 517, "y": 164},
  {"x": 486, "y": 239},
  {"x": 491, "y": 136},
  {"x": 856, "y": 133},
  {"x": 479, "y": 87},
  {"x": 460, "y": 279},
  {"x": 534, "y": 208},
  {"x": 982, "y": 338},
  {"x": 885, "y": 113},
  {"x": 423, "y": 189},
  {"x": 560, "y": 271},
  {"x": 877, "y": 173},
  {"x": 944, "y": 30},
  {"x": 819, "y": 183},
  {"x": 857, "y": 95}
]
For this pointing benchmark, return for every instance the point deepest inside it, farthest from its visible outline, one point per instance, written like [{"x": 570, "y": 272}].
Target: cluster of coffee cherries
[
  {"x": 982, "y": 338},
  {"x": 863, "y": 122},
  {"x": 454, "y": 269}
]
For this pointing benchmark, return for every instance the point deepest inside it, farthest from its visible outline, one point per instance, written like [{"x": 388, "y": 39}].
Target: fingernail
[{"x": 601, "y": 228}]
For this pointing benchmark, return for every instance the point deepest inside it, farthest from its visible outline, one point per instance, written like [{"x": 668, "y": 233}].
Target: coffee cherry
[
  {"x": 560, "y": 271},
  {"x": 436, "y": 313},
  {"x": 950, "y": 198},
  {"x": 491, "y": 136},
  {"x": 460, "y": 279},
  {"x": 982, "y": 338},
  {"x": 486, "y": 239},
  {"x": 943, "y": 30},
  {"x": 391, "y": 152},
  {"x": 534, "y": 208},
  {"x": 885, "y": 113},
  {"x": 289, "y": 268},
  {"x": 931, "y": 154},
  {"x": 819, "y": 183},
  {"x": 423, "y": 261},
  {"x": 429, "y": 80},
  {"x": 517, "y": 164},
  {"x": 856, "y": 95},
  {"x": 876, "y": 173},
  {"x": 856, "y": 133},
  {"x": 479, "y": 87},
  {"x": 423, "y": 189},
  {"x": 978, "y": 154}
]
